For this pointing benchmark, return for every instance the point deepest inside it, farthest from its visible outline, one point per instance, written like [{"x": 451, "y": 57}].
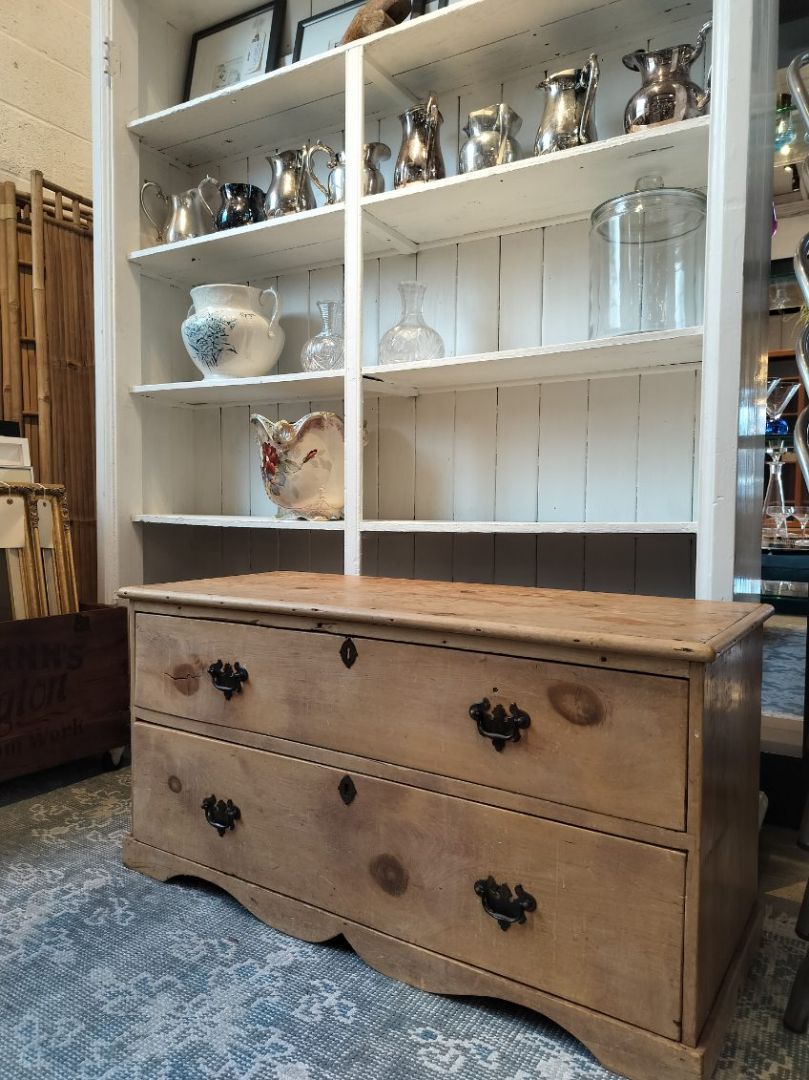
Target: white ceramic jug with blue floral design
[{"x": 229, "y": 333}]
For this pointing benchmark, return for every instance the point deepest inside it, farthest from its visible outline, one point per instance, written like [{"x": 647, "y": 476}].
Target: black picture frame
[
  {"x": 417, "y": 9},
  {"x": 278, "y": 9},
  {"x": 313, "y": 20}
]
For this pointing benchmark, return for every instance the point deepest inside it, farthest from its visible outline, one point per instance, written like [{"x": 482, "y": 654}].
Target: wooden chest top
[{"x": 649, "y": 626}]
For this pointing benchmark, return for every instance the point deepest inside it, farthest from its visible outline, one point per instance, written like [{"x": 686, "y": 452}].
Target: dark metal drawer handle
[
  {"x": 228, "y": 678},
  {"x": 504, "y": 908},
  {"x": 497, "y": 724},
  {"x": 222, "y": 815}
]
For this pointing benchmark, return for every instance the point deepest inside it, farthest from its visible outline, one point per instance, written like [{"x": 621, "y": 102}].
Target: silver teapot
[
  {"x": 667, "y": 93},
  {"x": 290, "y": 190},
  {"x": 420, "y": 158},
  {"x": 373, "y": 182},
  {"x": 490, "y": 138},
  {"x": 188, "y": 213},
  {"x": 569, "y": 117}
]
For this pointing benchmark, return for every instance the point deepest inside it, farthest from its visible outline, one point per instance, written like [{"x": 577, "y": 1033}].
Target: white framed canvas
[{"x": 14, "y": 452}]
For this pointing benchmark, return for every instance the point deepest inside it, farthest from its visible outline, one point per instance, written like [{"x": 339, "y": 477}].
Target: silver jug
[
  {"x": 373, "y": 182},
  {"x": 490, "y": 139},
  {"x": 420, "y": 159},
  {"x": 569, "y": 117},
  {"x": 290, "y": 190},
  {"x": 667, "y": 93},
  {"x": 188, "y": 213}
]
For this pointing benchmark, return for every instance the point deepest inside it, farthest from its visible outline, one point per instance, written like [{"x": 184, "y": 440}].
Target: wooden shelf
[
  {"x": 474, "y": 42},
  {"x": 228, "y": 521},
  {"x": 566, "y": 185},
  {"x": 461, "y": 44},
  {"x": 299, "y": 386},
  {"x": 529, "y": 527},
  {"x": 598, "y": 358},
  {"x": 538, "y": 191},
  {"x": 581, "y": 359},
  {"x": 307, "y": 96},
  {"x": 298, "y": 241}
]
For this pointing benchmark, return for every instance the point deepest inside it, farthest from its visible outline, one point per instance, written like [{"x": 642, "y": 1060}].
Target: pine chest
[{"x": 543, "y": 796}]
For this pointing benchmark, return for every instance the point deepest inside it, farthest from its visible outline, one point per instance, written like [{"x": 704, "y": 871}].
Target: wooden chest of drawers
[{"x": 573, "y": 776}]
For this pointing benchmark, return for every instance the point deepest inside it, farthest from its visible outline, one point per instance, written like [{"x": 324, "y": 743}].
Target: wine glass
[
  {"x": 779, "y": 395},
  {"x": 801, "y": 515},
  {"x": 780, "y": 515}
]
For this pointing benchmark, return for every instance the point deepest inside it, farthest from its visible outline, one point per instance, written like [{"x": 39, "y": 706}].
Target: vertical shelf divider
[{"x": 352, "y": 307}]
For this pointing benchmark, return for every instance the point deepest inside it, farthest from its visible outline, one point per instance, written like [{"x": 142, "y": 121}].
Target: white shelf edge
[
  {"x": 288, "y": 222},
  {"x": 303, "y": 68},
  {"x": 474, "y": 369},
  {"x": 198, "y": 392},
  {"x": 226, "y": 521},
  {"x": 640, "y": 139},
  {"x": 530, "y": 527},
  {"x": 594, "y": 357}
]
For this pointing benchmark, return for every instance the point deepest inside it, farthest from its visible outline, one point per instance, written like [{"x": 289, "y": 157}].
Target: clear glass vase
[
  {"x": 411, "y": 339},
  {"x": 324, "y": 351}
]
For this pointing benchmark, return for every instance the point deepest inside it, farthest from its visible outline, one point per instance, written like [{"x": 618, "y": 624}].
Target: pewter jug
[
  {"x": 490, "y": 139},
  {"x": 373, "y": 182},
  {"x": 290, "y": 190},
  {"x": 242, "y": 204},
  {"x": 420, "y": 158},
  {"x": 667, "y": 93},
  {"x": 188, "y": 213},
  {"x": 568, "y": 119}
]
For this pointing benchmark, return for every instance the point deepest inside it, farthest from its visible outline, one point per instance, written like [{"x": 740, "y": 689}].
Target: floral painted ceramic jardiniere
[
  {"x": 302, "y": 465},
  {"x": 229, "y": 334}
]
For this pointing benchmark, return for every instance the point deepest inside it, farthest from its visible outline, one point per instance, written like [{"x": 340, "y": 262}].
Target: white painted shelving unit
[{"x": 530, "y": 454}]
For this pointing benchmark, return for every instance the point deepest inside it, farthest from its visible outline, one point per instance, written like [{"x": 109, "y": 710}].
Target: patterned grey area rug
[
  {"x": 107, "y": 975},
  {"x": 784, "y": 663}
]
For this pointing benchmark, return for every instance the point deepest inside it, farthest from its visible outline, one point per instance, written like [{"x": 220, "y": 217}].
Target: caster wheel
[{"x": 114, "y": 759}]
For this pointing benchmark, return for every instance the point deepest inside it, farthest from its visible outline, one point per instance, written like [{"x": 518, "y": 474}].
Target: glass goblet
[
  {"x": 801, "y": 515},
  {"x": 780, "y": 515}
]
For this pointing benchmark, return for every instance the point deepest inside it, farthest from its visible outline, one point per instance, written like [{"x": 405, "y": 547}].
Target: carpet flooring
[
  {"x": 107, "y": 975},
  {"x": 783, "y": 669}
]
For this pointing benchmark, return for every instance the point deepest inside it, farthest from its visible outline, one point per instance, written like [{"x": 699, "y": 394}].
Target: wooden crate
[{"x": 64, "y": 688}]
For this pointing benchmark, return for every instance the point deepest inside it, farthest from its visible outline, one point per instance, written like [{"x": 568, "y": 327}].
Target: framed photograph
[
  {"x": 235, "y": 50},
  {"x": 323, "y": 32}
]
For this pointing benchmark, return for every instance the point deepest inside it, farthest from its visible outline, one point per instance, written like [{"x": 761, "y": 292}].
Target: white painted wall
[{"x": 45, "y": 92}]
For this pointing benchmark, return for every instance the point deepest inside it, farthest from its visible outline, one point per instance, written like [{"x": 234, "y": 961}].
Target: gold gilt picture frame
[
  {"x": 37, "y": 571},
  {"x": 53, "y": 549},
  {"x": 20, "y": 593}
]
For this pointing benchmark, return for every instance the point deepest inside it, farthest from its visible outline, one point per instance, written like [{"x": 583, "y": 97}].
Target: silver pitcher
[
  {"x": 420, "y": 159},
  {"x": 667, "y": 93},
  {"x": 490, "y": 138},
  {"x": 188, "y": 213},
  {"x": 569, "y": 117},
  {"x": 290, "y": 190},
  {"x": 373, "y": 182}
]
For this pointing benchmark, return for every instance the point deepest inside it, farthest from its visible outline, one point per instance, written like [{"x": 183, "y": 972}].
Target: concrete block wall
[{"x": 45, "y": 92}]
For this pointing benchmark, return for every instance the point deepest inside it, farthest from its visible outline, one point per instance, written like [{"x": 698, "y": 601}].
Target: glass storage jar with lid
[{"x": 647, "y": 260}]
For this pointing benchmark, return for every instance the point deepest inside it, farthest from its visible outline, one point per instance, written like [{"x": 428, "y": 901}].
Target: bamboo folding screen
[{"x": 46, "y": 315}]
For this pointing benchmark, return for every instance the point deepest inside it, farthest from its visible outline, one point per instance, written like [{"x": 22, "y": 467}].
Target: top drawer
[{"x": 607, "y": 741}]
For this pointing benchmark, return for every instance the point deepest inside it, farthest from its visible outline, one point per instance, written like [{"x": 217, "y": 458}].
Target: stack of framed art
[
  {"x": 37, "y": 571},
  {"x": 249, "y": 44}
]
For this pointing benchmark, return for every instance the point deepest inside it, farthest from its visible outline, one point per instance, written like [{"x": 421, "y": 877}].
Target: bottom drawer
[{"x": 607, "y": 928}]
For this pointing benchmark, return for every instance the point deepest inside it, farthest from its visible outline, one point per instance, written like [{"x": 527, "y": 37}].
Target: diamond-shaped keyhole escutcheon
[
  {"x": 348, "y": 652},
  {"x": 348, "y": 792}
]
